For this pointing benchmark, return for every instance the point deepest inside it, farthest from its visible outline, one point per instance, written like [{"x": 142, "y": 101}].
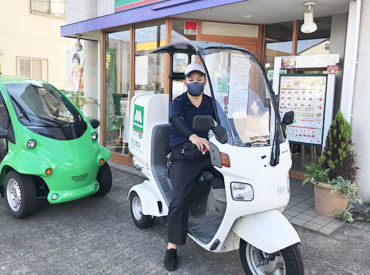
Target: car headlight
[
  {"x": 94, "y": 136},
  {"x": 242, "y": 191},
  {"x": 31, "y": 144}
]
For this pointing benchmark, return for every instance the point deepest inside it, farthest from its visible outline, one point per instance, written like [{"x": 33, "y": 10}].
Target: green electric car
[{"x": 48, "y": 149}]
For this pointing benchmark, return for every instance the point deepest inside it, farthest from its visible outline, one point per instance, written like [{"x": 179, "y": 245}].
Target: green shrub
[{"x": 338, "y": 155}]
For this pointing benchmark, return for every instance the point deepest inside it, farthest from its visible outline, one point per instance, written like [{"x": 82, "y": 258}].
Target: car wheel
[
  {"x": 105, "y": 180},
  {"x": 140, "y": 220},
  {"x": 20, "y": 194}
]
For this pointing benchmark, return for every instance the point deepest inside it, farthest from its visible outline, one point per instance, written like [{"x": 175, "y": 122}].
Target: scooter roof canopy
[{"x": 192, "y": 47}]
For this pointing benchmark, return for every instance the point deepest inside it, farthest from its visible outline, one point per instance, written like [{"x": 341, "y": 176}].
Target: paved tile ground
[
  {"x": 301, "y": 210},
  {"x": 97, "y": 236}
]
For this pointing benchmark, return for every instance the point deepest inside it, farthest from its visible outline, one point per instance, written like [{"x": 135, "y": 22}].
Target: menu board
[{"x": 305, "y": 95}]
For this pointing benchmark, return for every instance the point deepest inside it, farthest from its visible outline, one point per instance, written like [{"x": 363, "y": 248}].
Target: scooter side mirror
[
  {"x": 203, "y": 123},
  {"x": 288, "y": 118},
  {"x": 4, "y": 133},
  {"x": 94, "y": 123},
  {"x": 220, "y": 134}
]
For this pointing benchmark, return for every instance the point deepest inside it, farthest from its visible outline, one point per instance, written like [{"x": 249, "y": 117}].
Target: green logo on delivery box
[{"x": 138, "y": 119}]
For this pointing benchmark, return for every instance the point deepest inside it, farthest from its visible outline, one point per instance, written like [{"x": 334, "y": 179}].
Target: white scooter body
[
  {"x": 269, "y": 239},
  {"x": 259, "y": 222}
]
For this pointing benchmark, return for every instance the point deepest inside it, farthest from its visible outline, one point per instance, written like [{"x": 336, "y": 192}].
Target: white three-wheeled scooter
[{"x": 248, "y": 147}]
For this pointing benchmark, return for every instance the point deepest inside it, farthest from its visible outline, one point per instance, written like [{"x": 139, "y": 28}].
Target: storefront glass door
[
  {"x": 117, "y": 93},
  {"x": 149, "y": 68}
]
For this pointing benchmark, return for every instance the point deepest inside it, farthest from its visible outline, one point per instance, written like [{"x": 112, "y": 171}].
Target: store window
[
  {"x": 180, "y": 60},
  {"x": 279, "y": 39},
  {"x": 117, "y": 92},
  {"x": 48, "y": 7},
  {"x": 315, "y": 43},
  {"x": 149, "y": 68},
  {"x": 36, "y": 68}
]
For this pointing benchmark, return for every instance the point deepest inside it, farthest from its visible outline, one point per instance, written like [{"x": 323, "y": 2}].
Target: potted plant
[{"x": 334, "y": 176}]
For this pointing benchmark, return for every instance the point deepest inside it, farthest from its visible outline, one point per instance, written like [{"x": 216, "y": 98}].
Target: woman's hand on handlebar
[{"x": 201, "y": 143}]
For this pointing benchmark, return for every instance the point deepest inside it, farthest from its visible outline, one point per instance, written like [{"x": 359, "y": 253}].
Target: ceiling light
[
  {"x": 78, "y": 46},
  {"x": 309, "y": 25},
  {"x": 248, "y": 15}
]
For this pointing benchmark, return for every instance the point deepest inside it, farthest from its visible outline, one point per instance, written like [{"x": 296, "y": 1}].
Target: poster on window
[
  {"x": 305, "y": 95},
  {"x": 75, "y": 70}
]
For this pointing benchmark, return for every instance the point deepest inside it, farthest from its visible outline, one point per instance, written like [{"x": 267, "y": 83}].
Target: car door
[{"x": 4, "y": 124}]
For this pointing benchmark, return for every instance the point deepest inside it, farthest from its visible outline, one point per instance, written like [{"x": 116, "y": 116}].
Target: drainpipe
[{"x": 350, "y": 61}]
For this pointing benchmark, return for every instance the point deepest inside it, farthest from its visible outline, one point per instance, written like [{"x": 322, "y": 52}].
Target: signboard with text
[
  {"x": 306, "y": 96},
  {"x": 190, "y": 27}
]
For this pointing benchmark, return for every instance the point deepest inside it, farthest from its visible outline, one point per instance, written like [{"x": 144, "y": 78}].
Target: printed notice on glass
[
  {"x": 239, "y": 71},
  {"x": 238, "y": 85},
  {"x": 305, "y": 95},
  {"x": 141, "y": 70}
]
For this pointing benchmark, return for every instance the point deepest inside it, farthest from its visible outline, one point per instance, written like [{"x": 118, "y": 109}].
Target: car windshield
[
  {"x": 242, "y": 96},
  {"x": 44, "y": 110}
]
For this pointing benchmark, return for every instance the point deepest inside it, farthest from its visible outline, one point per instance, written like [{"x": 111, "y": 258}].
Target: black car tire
[
  {"x": 20, "y": 194},
  {"x": 105, "y": 180}
]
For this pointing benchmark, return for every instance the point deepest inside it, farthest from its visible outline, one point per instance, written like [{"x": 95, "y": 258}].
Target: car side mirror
[
  {"x": 288, "y": 118},
  {"x": 4, "y": 133},
  {"x": 203, "y": 123},
  {"x": 94, "y": 123}
]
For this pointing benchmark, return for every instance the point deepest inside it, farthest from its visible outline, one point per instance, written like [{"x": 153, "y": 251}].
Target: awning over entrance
[{"x": 140, "y": 14}]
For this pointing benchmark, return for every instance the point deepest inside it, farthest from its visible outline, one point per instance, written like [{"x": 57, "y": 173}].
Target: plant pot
[{"x": 327, "y": 203}]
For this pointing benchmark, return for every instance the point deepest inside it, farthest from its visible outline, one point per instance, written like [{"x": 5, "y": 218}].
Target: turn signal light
[
  {"x": 225, "y": 160},
  {"x": 48, "y": 171},
  {"x": 101, "y": 161}
]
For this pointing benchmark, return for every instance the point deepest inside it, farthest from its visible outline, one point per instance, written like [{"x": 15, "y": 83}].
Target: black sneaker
[{"x": 170, "y": 260}]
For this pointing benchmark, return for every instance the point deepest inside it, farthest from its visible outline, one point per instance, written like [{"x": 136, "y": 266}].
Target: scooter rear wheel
[
  {"x": 140, "y": 220},
  {"x": 256, "y": 262}
]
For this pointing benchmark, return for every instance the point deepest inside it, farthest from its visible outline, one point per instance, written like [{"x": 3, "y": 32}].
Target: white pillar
[
  {"x": 361, "y": 103},
  {"x": 350, "y": 60}
]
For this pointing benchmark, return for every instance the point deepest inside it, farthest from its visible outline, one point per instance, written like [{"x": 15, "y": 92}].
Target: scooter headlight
[
  {"x": 94, "y": 136},
  {"x": 31, "y": 144},
  {"x": 242, "y": 191}
]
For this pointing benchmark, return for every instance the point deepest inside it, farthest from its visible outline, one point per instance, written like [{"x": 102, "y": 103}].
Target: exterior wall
[
  {"x": 337, "y": 45},
  {"x": 105, "y": 7},
  {"x": 31, "y": 35},
  {"x": 361, "y": 101},
  {"x": 79, "y": 10}
]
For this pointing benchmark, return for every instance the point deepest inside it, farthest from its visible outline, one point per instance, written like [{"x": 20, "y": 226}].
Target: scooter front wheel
[
  {"x": 140, "y": 220},
  {"x": 285, "y": 262}
]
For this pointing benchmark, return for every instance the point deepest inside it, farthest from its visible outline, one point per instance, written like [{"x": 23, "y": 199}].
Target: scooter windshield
[
  {"x": 242, "y": 96},
  {"x": 43, "y": 110}
]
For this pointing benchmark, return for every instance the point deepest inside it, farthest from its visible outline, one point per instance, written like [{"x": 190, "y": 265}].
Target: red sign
[
  {"x": 332, "y": 69},
  {"x": 190, "y": 27}
]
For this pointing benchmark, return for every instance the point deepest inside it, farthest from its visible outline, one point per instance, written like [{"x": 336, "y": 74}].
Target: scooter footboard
[
  {"x": 268, "y": 231},
  {"x": 149, "y": 200}
]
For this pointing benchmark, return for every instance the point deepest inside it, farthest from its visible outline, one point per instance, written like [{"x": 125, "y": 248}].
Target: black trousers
[{"x": 183, "y": 174}]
